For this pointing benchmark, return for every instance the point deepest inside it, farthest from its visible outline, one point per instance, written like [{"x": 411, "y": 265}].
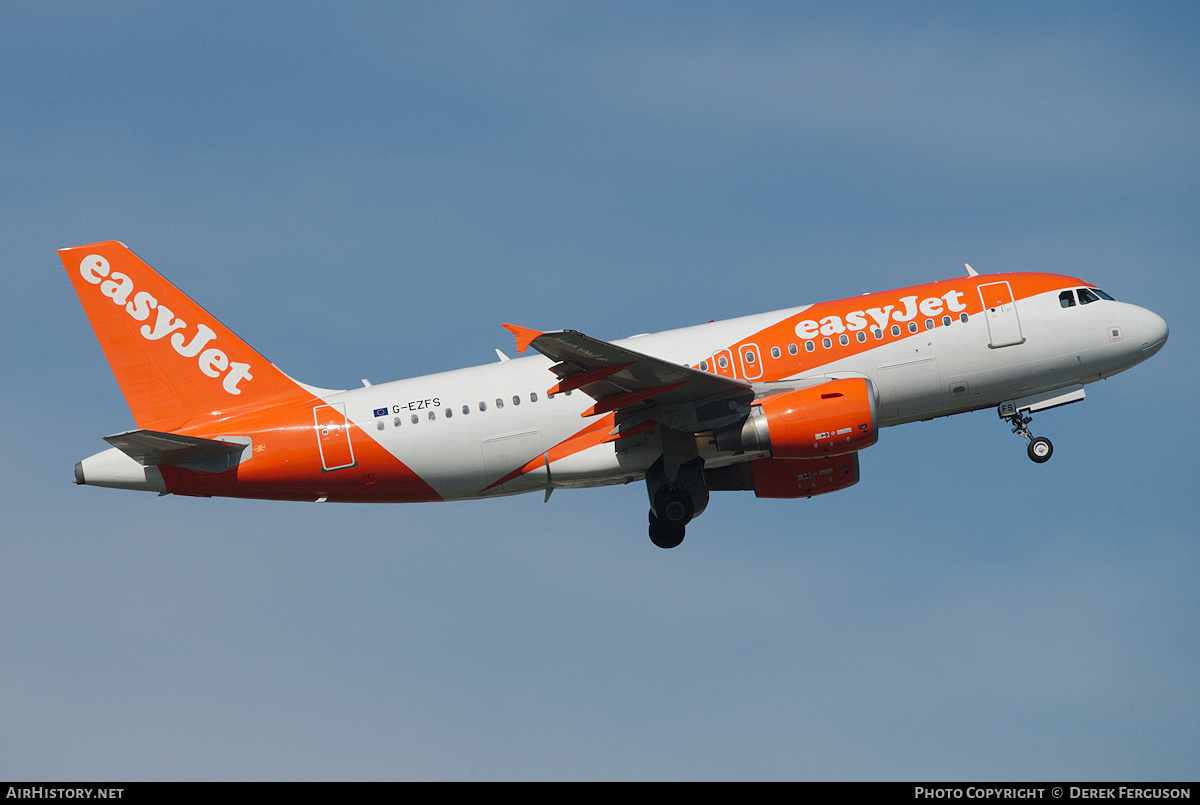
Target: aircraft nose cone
[{"x": 1154, "y": 332}]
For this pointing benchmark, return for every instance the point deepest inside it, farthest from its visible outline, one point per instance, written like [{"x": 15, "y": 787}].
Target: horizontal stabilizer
[{"x": 150, "y": 448}]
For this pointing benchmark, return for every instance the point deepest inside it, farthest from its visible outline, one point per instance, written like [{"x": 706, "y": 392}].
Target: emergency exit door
[
  {"x": 1000, "y": 310},
  {"x": 333, "y": 437}
]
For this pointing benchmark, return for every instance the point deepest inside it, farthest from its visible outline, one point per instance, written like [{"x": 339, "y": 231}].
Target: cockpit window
[
  {"x": 1086, "y": 297},
  {"x": 1067, "y": 299},
  {"x": 1103, "y": 295}
]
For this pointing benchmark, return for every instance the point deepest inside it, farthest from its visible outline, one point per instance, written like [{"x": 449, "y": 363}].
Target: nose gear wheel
[{"x": 1039, "y": 448}]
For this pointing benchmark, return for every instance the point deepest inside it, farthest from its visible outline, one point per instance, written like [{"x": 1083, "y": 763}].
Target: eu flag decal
[{"x": 380, "y": 412}]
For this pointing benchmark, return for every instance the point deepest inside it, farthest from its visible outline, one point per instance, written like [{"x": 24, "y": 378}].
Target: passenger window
[
  {"x": 945, "y": 321},
  {"x": 482, "y": 405},
  {"x": 912, "y": 327},
  {"x": 750, "y": 356},
  {"x": 499, "y": 403},
  {"x": 533, "y": 396},
  {"x": 722, "y": 362},
  {"x": 516, "y": 399},
  {"x": 862, "y": 337},
  {"x": 792, "y": 350},
  {"x": 379, "y": 425},
  {"x": 466, "y": 409},
  {"x": 929, "y": 324},
  {"x": 414, "y": 419},
  {"x": 449, "y": 413},
  {"x": 775, "y": 352},
  {"x": 1067, "y": 299},
  {"x": 432, "y": 415},
  {"x": 396, "y": 421},
  {"x": 962, "y": 317},
  {"x": 703, "y": 366},
  {"x": 878, "y": 334},
  {"x": 825, "y": 342},
  {"x": 809, "y": 346},
  {"x": 844, "y": 339},
  {"x": 895, "y": 329},
  {"x": 1086, "y": 297}
]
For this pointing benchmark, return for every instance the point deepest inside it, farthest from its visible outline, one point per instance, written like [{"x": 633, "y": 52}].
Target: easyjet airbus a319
[{"x": 779, "y": 404}]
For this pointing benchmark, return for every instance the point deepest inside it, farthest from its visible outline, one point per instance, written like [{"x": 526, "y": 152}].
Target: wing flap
[
  {"x": 573, "y": 379},
  {"x": 626, "y": 399}
]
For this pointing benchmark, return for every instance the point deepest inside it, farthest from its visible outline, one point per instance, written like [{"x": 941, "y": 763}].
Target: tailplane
[{"x": 176, "y": 364}]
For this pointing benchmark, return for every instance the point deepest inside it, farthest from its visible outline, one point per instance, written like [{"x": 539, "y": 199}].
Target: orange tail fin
[{"x": 176, "y": 364}]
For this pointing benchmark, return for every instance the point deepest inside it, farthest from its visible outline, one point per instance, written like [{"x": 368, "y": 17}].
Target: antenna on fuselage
[{"x": 970, "y": 271}]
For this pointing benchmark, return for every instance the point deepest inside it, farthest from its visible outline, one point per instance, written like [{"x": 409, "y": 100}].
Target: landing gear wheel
[
  {"x": 1040, "y": 449},
  {"x": 673, "y": 505},
  {"x": 673, "y": 510},
  {"x": 665, "y": 536}
]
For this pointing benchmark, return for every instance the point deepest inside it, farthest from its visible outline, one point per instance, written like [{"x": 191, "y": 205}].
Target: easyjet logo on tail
[{"x": 118, "y": 287}]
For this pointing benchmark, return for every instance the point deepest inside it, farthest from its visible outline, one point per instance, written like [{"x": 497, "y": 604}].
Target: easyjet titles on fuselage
[
  {"x": 931, "y": 306},
  {"x": 212, "y": 362}
]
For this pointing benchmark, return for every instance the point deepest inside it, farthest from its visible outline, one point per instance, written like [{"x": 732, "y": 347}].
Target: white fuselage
[{"x": 465, "y": 429}]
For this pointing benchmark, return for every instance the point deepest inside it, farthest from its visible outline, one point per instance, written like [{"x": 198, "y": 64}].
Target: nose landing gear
[{"x": 1039, "y": 448}]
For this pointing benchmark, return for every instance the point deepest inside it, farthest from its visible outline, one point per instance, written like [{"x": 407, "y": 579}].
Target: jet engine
[{"x": 831, "y": 419}]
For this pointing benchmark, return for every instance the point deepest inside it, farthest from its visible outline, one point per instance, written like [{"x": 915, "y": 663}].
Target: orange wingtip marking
[
  {"x": 628, "y": 398},
  {"x": 524, "y": 335},
  {"x": 572, "y": 382}
]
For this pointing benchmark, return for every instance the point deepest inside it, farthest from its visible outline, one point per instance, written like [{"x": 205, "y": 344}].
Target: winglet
[{"x": 524, "y": 335}]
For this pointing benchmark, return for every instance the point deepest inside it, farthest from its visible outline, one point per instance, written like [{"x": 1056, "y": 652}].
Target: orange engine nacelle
[
  {"x": 803, "y": 478},
  {"x": 832, "y": 419}
]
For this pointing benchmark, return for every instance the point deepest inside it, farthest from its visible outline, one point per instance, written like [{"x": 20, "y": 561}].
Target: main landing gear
[
  {"x": 1039, "y": 448},
  {"x": 674, "y": 501},
  {"x": 674, "y": 511}
]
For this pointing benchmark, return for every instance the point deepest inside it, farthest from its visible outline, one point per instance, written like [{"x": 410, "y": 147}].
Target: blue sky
[{"x": 370, "y": 192}]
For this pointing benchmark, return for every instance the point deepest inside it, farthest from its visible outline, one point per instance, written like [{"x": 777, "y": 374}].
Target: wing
[{"x": 638, "y": 387}]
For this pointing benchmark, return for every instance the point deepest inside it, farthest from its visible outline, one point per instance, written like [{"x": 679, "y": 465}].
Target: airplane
[{"x": 777, "y": 403}]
